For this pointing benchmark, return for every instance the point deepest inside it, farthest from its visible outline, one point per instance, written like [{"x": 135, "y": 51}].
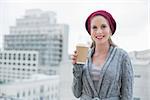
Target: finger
[
  {"x": 73, "y": 56},
  {"x": 75, "y": 51},
  {"x": 73, "y": 62}
]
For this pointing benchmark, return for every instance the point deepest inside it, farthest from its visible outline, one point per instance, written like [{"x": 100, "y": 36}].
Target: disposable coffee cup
[{"x": 82, "y": 53}]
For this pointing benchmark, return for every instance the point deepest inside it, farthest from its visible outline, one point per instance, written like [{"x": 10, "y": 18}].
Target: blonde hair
[{"x": 111, "y": 42}]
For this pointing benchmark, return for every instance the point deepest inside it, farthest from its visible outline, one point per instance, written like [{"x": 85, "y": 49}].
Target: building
[
  {"x": 39, "y": 31},
  {"x": 18, "y": 65},
  {"x": 38, "y": 87},
  {"x": 66, "y": 79},
  {"x": 141, "y": 65},
  {"x": 8, "y": 98}
]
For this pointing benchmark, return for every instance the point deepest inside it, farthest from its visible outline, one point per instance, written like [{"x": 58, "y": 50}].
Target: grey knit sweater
[{"x": 116, "y": 82}]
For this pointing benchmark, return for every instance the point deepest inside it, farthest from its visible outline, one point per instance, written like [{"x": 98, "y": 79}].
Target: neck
[{"x": 101, "y": 49}]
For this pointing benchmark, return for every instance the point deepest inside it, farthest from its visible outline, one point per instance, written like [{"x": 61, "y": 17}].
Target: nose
[{"x": 99, "y": 31}]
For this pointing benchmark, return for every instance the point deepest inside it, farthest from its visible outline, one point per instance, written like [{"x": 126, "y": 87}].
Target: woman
[{"x": 108, "y": 73}]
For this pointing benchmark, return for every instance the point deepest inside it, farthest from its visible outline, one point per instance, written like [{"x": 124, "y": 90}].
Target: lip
[{"x": 99, "y": 37}]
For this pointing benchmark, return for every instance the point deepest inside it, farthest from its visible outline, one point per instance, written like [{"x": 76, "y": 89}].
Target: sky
[{"x": 132, "y": 17}]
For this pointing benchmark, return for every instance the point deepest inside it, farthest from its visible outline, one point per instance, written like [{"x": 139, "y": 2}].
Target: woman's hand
[{"x": 74, "y": 57}]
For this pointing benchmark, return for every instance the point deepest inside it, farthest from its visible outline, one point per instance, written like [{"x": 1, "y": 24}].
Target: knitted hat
[{"x": 107, "y": 15}]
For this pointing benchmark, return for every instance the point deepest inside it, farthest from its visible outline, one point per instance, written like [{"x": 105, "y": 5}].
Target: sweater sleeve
[
  {"x": 77, "y": 80},
  {"x": 127, "y": 79}
]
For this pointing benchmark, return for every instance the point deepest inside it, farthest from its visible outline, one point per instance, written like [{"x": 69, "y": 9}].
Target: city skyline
[
  {"x": 129, "y": 28},
  {"x": 132, "y": 34},
  {"x": 35, "y": 39}
]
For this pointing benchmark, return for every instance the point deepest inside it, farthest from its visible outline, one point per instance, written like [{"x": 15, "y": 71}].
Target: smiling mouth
[{"x": 99, "y": 37}]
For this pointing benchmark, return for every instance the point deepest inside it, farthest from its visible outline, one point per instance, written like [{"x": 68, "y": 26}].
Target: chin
[{"x": 101, "y": 42}]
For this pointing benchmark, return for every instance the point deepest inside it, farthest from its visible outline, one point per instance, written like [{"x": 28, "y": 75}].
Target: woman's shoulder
[{"x": 122, "y": 52}]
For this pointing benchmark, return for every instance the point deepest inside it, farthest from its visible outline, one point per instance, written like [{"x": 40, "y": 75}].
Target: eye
[
  {"x": 103, "y": 26},
  {"x": 94, "y": 27}
]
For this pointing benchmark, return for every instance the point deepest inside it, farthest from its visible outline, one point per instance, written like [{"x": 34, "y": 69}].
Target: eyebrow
[{"x": 96, "y": 25}]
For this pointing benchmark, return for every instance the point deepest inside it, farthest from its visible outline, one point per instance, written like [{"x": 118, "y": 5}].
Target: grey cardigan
[{"x": 116, "y": 82}]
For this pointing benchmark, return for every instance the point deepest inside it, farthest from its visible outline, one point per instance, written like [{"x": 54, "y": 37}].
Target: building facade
[
  {"x": 141, "y": 65},
  {"x": 38, "y": 87},
  {"x": 39, "y": 31},
  {"x": 18, "y": 65},
  {"x": 66, "y": 79},
  {"x": 36, "y": 44}
]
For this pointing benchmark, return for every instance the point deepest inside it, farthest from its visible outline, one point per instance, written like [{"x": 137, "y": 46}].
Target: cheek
[
  {"x": 93, "y": 34},
  {"x": 108, "y": 32},
  {"x": 91, "y": 31}
]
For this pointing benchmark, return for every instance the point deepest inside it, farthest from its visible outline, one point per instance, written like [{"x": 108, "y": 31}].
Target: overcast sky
[{"x": 132, "y": 17}]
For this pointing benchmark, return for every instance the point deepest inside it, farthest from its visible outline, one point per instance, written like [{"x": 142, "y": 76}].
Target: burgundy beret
[{"x": 105, "y": 14}]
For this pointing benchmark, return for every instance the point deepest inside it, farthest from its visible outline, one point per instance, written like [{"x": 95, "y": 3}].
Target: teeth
[{"x": 99, "y": 37}]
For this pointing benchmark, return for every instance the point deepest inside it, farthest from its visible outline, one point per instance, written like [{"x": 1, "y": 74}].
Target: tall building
[
  {"x": 18, "y": 65},
  {"x": 39, "y": 31},
  {"x": 141, "y": 65}
]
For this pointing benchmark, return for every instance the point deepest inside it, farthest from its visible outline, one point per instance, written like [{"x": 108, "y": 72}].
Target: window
[
  {"x": 19, "y": 56},
  {"x": 29, "y": 55},
  {"x": 14, "y": 58},
  {"x": 33, "y": 70},
  {"x": 18, "y": 63},
  {"x": 48, "y": 89},
  {"x": 23, "y": 94},
  {"x": 14, "y": 55},
  {"x": 29, "y": 93},
  {"x": 14, "y": 63},
  {"x": 41, "y": 98},
  {"x": 5, "y": 56},
  {"x": 28, "y": 64},
  {"x": 34, "y": 57},
  {"x": 42, "y": 89},
  {"x": 52, "y": 96},
  {"x": 9, "y": 56},
  {"x": 0, "y": 56},
  {"x": 28, "y": 69},
  {"x": 24, "y": 58},
  {"x": 29, "y": 58},
  {"x": 9, "y": 63},
  {"x": 18, "y": 95},
  {"x": 34, "y": 91},
  {"x": 24, "y": 54},
  {"x": 47, "y": 97},
  {"x": 137, "y": 76},
  {"x": 136, "y": 98}
]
